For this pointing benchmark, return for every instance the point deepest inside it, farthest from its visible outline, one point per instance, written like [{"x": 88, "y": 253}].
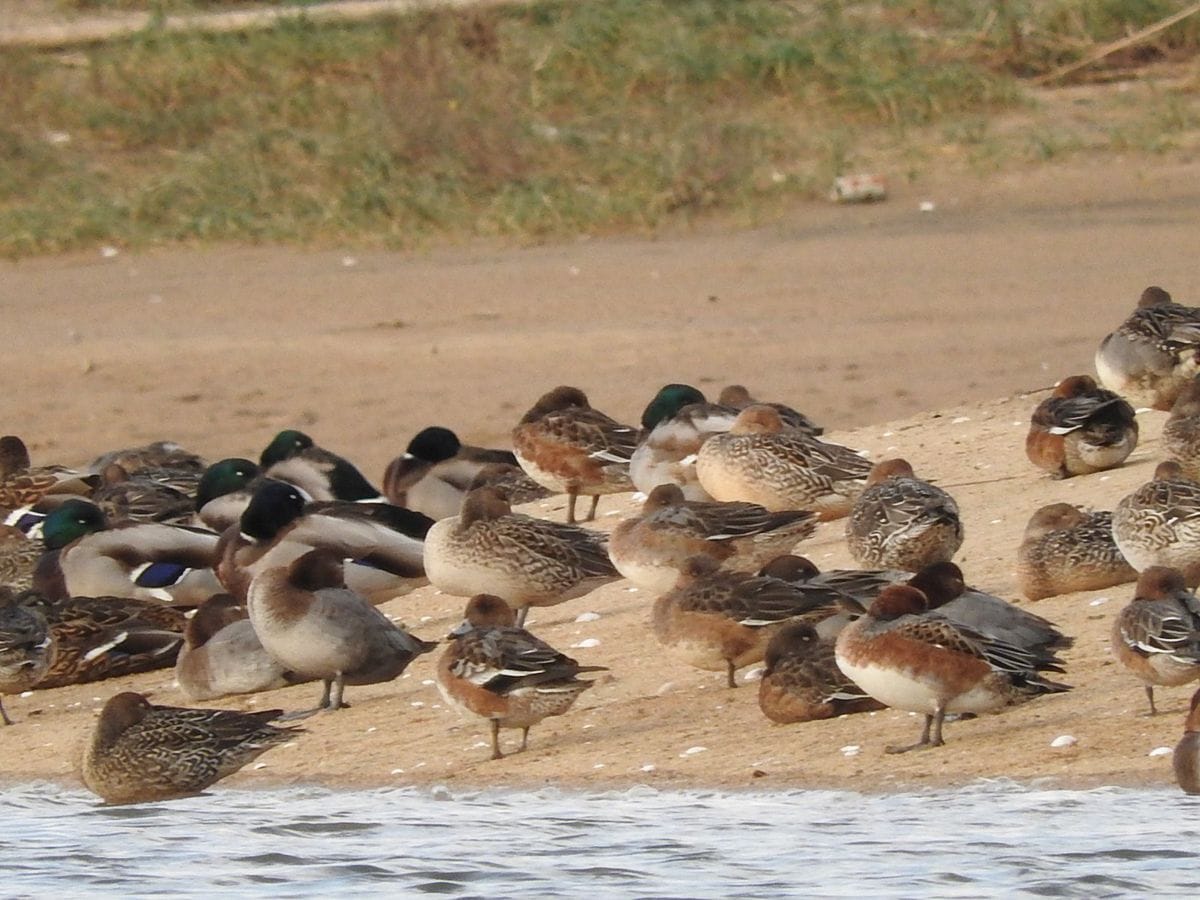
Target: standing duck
[
  {"x": 1065, "y": 549},
  {"x": 317, "y": 627},
  {"x": 911, "y": 659},
  {"x": 139, "y": 752},
  {"x": 495, "y": 669},
  {"x": 1157, "y": 636},
  {"x": 1159, "y": 523},
  {"x": 902, "y": 522},
  {"x": 526, "y": 560},
  {"x": 1081, "y": 428},
  {"x": 568, "y": 447},
  {"x": 651, "y": 547},
  {"x": 758, "y": 461},
  {"x": 1154, "y": 353}
]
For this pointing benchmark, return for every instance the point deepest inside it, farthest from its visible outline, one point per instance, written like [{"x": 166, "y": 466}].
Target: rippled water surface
[{"x": 983, "y": 840}]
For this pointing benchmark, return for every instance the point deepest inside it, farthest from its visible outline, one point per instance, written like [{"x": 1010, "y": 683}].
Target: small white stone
[
  {"x": 887, "y": 434},
  {"x": 585, "y": 643},
  {"x": 598, "y": 766},
  {"x": 371, "y": 729},
  {"x": 587, "y": 617},
  {"x": 57, "y": 137},
  {"x": 649, "y": 767},
  {"x": 574, "y": 270},
  {"x": 638, "y": 497},
  {"x": 1099, "y": 601},
  {"x": 1064, "y": 740},
  {"x": 25, "y": 695},
  {"x": 995, "y": 521},
  {"x": 426, "y": 619},
  {"x": 108, "y": 252},
  {"x": 349, "y": 262},
  {"x": 397, "y": 771},
  {"x": 960, "y": 420},
  {"x": 260, "y": 765},
  {"x": 1142, "y": 409},
  {"x": 428, "y": 682},
  {"x": 416, "y": 704},
  {"x": 1161, "y": 751},
  {"x": 851, "y": 750},
  {"x": 631, "y": 590},
  {"x": 1105, "y": 477},
  {"x": 692, "y": 751},
  {"x": 755, "y": 674},
  {"x": 927, "y": 206}
]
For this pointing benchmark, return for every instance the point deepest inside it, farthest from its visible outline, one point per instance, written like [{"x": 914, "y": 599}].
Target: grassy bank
[{"x": 551, "y": 119}]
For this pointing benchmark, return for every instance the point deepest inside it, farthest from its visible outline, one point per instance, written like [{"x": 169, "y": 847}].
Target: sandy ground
[{"x": 857, "y": 315}]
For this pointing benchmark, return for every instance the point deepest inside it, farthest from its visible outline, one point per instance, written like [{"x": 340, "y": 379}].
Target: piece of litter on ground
[
  {"x": 927, "y": 206},
  {"x": 1064, "y": 740},
  {"x": 1099, "y": 601},
  {"x": 587, "y": 617},
  {"x": 585, "y": 643},
  {"x": 692, "y": 751}
]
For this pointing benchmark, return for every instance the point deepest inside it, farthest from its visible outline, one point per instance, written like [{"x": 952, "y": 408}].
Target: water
[{"x": 984, "y": 840}]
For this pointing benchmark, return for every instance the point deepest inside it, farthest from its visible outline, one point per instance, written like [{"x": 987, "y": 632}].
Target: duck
[
  {"x": 436, "y": 470},
  {"x": 317, "y": 627},
  {"x": 123, "y": 497},
  {"x": 156, "y": 457},
  {"x": 758, "y": 461},
  {"x": 384, "y": 543},
  {"x": 801, "y": 681},
  {"x": 738, "y": 397},
  {"x": 21, "y": 484},
  {"x": 1157, "y": 635},
  {"x": 526, "y": 560},
  {"x": 1181, "y": 431},
  {"x": 88, "y": 557},
  {"x": 675, "y": 424},
  {"x": 511, "y": 482},
  {"x": 902, "y": 522},
  {"x": 19, "y": 556},
  {"x": 721, "y": 621},
  {"x": 140, "y": 753},
  {"x": 1186, "y": 758},
  {"x": 1066, "y": 549},
  {"x": 909, "y": 658},
  {"x": 495, "y": 669},
  {"x": 222, "y": 655},
  {"x": 651, "y": 546},
  {"x": 294, "y": 457},
  {"x": 1158, "y": 524},
  {"x": 568, "y": 447},
  {"x": 1154, "y": 353},
  {"x": 25, "y": 647},
  {"x": 94, "y": 638},
  {"x": 224, "y": 492},
  {"x": 1081, "y": 428}
]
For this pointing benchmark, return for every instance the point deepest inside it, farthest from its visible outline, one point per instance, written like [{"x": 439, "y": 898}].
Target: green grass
[{"x": 552, "y": 119}]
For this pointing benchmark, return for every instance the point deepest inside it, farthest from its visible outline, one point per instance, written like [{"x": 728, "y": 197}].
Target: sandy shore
[{"x": 856, "y": 315}]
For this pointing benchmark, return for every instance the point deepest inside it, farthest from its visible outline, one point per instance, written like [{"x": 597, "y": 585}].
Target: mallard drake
[
  {"x": 650, "y": 547},
  {"x": 1186, "y": 760},
  {"x": 721, "y": 621},
  {"x": 1157, "y": 636},
  {"x": 294, "y": 457},
  {"x": 568, "y": 447},
  {"x": 436, "y": 470},
  {"x": 675, "y": 424},
  {"x": 758, "y": 461},
  {"x": 383, "y": 542},
  {"x": 912, "y": 659},
  {"x": 22, "y": 485},
  {"x": 526, "y": 560},
  {"x": 314, "y": 625},
  {"x": 495, "y": 669},
  {"x": 1181, "y": 432},
  {"x": 25, "y": 647},
  {"x": 902, "y": 522},
  {"x": 1154, "y": 353},
  {"x": 102, "y": 637},
  {"x": 737, "y": 397},
  {"x": 139, "y": 752},
  {"x": 1081, "y": 428},
  {"x": 222, "y": 655},
  {"x": 87, "y": 557},
  {"x": 801, "y": 681},
  {"x": 1065, "y": 549},
  {"x": 1159, "y": 523},
  {"x": 225, "y": 490}
]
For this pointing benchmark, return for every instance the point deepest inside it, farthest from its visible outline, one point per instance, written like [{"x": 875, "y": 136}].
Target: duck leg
[
  {"x": 592, "y": 512},
  {"x": 732, "y": 680},
  {"x": 572, "y": 496},
  {"x": 4, "y": 714},
  {"x": 335, "y": 696},
  {"x": 521, "y": 614},
  {"x": 524, "y": 738},
  {"x": 932, "y": 723},
  {"x": 1150, "y": 697},
  {"x": 496, "y": 754}
]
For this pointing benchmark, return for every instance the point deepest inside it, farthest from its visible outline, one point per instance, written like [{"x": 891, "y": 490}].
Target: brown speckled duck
[
  {"x": 802, "y": 682},
  {"x": 902, "y": 522},
  {"x": 1159, "y": 523},
  {"x": 1065, "y": 549},
  {"x": 1154, "y": 353},
  {"x": 1157, "y": 636}
]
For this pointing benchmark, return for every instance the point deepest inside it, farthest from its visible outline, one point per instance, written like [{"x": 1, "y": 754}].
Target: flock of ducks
[{"x": 250, "y": 576}]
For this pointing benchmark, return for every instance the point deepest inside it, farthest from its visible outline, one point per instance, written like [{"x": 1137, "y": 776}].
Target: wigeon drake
[
  {"x": 494, "y": 669},
  {"x": 911, "y": 659},
  {"x": 1157, "y": 636},
  {"x": 316, "y": 627},
  {"x": 26, "y": 647},
  {"x": 650, "y": 547},
  {"x": 1154, "y": 353},
  {"x": 902, "y": 522},
  {"x": 721, "y": 621},
  {"x": 568, "y": 447},
  {"x": 139, "y": 752},
  {"x": 759, "y": 461},
  {"x": 802, "y": 682},
  {"x": 1081, "y": 428},
  {"x": 1159, "y": 523},
  {"x": 1186, "y": 760},
  {"x": 528, "y": 561},
  {"x": 1181, "y": 432},
  {"x": 1065, "y": 549}
]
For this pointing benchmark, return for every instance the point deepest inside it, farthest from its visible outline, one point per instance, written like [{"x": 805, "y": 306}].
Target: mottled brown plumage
[
  {"x": 1157, "y": 636},
  {"x": 902, "y": 522},
  {"x": 1081, "y": 428},
  {"x": 802, "y": 682},
  {"x": 1065, "y": 549}
]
